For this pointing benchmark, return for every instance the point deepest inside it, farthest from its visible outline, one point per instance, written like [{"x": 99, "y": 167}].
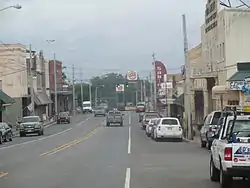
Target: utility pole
[
  {"x": 74, "y": 99},
  {"x": 154, "y": 78},
  {"x": 90, "y": 93},
  {"x": 81, "y": 87},
  {"x": 141, "y": 88},
  {"x": 144, "y": 90},
  {"x": 151, "y": 91},
  {"x": 55, "y": 82},
  {"x": 96, "y": 95},
  {"x": 31, "y": 82},
  {"x": 187, "y": 82}
]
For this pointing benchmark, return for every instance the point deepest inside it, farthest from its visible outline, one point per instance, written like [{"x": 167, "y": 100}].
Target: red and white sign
[
  {"x": 160, "y": 71},
  {"x": 132, "y": 75}
]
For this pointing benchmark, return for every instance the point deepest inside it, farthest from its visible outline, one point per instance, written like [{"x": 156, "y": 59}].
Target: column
[{"x": 206, "y": 100}]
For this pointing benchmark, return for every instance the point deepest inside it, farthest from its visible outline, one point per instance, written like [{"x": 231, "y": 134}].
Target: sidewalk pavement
[{"x": 196, "y": 138}]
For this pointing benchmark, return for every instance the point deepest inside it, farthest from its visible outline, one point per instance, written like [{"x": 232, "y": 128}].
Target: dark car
[
  {"x": 63, "y": 117},
  {"x": 114, "y": 117},
  {"x": 5, "y": 132}
]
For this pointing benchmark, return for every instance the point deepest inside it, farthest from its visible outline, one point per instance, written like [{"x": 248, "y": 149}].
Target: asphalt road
[{"x": 88, "y": 154}]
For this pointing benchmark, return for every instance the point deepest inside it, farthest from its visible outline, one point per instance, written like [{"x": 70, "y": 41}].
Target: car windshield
[
  {"x": 86, "y": 105},
  {"x": 117, "y": 113},
  {"x": 100, "y": 108},
  {"x": 169, "y": 122},
  {"x": 2, "y": 125},
  {"x": 30, "y": 119},
  {"x": 151, "y": 116},
  {"x": 239, "y": 125},
  {"x": 63, "y": 114}
]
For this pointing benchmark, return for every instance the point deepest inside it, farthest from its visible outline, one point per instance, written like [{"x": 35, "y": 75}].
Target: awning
[
  {"x": 219, "y": 89},
  {"x": 239, "y": 76},
  {"x": 6, "y": 99},
  {"x": 42, "y": 98}
]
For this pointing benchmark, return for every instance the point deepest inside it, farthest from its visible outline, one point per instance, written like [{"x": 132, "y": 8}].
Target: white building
[{"x": 225, "y": 42}]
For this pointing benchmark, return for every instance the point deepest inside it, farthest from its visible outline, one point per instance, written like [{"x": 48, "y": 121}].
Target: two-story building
[{"x": 13, "y": 79}]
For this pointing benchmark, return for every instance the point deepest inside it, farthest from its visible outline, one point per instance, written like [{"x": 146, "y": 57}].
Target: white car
[
  {"x": 149, "y": 126},
  {"x": 168, "y": 127}
]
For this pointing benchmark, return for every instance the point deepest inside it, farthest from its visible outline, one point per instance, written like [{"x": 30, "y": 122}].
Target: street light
[
  {"x": 13, "y": 6},
  {"x": 55, "y": 76}
]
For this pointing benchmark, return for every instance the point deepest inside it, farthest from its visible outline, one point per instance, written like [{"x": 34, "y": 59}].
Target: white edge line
[
  {"x": 129, "y": 119},
  {"x": 127, "y": 179},
  {"x": 44, "y": 138},
  {"x": 129, "y": 140}
]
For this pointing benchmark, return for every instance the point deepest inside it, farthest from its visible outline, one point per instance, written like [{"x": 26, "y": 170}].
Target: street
[{"x": 87, "y": 154}]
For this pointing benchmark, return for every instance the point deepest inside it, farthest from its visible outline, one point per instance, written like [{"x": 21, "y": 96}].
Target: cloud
[{"x": 102, "y": 35}]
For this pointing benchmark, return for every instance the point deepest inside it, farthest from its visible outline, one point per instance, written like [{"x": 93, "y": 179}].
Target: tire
[
  {"x": 42, "y": 133},
  {"x": 22, "y": 134},
  {"x": 95, "y": 115},
  {"x": 225, "y": 180},
  {"x": 209, "y": 145},
  {"x": 121, "y": 124},
  {"x": 1, "y": 139},
  {"x": 107, "y": 125},
  {"x": 68, "y": 122},
  {"x": 11, "y": 137},
  {"x": 214, "y": 172},
  {"x": 203, "y": 144}
]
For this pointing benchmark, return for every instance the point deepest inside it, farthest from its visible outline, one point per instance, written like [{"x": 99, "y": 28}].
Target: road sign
[
  {"x": 120, "y": 88},
  {"x": 132, "y": 75}
]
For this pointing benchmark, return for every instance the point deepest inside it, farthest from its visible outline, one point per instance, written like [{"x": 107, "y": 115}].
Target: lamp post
[
  {"x": 12, "y": 6},
  {"x": 55, "y": 75}
]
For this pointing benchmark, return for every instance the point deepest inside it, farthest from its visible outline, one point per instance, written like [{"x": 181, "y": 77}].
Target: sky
[{"x": 100, "y": 36}]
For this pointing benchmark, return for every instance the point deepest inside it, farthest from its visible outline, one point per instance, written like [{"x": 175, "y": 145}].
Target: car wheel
[
  {"x": 225, "y": 180},
  {"x": 107, "y": 124},
  {"x": 42, "y": 133},
  {"x": 203, "y": 144},
  {"x": 214, "y": 172},
  {"x": 11, "y": 136},
  {"x": 1, "y": 139},
  {"x": 22, "y": 134},
  {"x": 58, "y": 122},
  {"x": 121, "y": 124}
]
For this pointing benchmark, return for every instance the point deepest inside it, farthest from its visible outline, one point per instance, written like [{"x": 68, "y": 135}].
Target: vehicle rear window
[
  {"x": 63, "y": 114},
  {"x": 117, "y": 113},
  {"x": 111, "y": 113},
  {"x": 169, "y": 122},
  {"x": 151, "y": 116},
  {"x": 216, "y": 118}
]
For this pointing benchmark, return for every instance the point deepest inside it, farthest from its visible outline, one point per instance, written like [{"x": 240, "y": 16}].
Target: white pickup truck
[{"x": 230, "y": 150}]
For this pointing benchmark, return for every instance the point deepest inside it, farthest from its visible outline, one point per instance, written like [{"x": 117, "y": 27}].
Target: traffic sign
[{"x": 119, "y": 88}]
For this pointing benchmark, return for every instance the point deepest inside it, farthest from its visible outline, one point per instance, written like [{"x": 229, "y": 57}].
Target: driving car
[
  {"x": 31, "y": 125},
  {"x": 5, "y": 133},
  {"x": 114, "y": 117},
  {"x": 100, "y": 111},
  {"x": 63, "y": 117},
  {"x": 140, "y": 107},
  {"x": 168, "y": 127}
]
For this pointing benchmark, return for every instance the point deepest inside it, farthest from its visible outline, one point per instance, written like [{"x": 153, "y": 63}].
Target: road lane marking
[
  {"x": 2, "y": 174},
  {"x": 129, "y": 118},
  {"x": 129, "y": 140},
  {"x": 39, "y": 139},
  {"x": 70, "y": 144},
  {"x": 127, "y": 179}
]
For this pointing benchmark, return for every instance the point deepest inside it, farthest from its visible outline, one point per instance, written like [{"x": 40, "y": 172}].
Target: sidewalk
[{"x": 196, "y": 137}]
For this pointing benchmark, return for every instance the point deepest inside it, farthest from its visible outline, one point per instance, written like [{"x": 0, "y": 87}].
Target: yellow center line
[
  {"x": 65, "y": 146},
  {"x": 2, "y": 174}
]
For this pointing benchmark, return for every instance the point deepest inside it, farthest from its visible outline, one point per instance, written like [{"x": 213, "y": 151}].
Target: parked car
[
  {"x": 31, "y": 125},
  {"x": 63, "y": 117},
  {"x": 149, "y": 126},
  {"x": 168, "y": 127},
  {"x": 147, "y": 116},
  {"x": 100, "y": 111},
  {"x": 140, "y": 107},
  {"x": 209, "y": 128},
  {"x": 114, "y": 117},
  {"x": 5, "y": 132}
]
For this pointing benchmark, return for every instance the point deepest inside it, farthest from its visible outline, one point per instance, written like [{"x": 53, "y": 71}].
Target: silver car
[
  {"x": 100, "y": 111},
  {"x": 31, "y": 125}
]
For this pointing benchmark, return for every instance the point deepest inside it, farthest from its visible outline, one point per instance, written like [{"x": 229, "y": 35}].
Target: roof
[
  {"x": 239, "y": 76},
  {"x": 6, "y": 99}
]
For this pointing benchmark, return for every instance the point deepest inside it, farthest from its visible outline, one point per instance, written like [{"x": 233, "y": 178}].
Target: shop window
[{"x": 233, "y": 102}]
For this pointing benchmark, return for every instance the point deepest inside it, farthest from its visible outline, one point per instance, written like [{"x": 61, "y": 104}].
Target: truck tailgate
[{"x": 241, "y": 154}]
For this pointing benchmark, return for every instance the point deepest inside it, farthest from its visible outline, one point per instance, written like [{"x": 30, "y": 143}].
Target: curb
[{"x": 45, "y": 126}]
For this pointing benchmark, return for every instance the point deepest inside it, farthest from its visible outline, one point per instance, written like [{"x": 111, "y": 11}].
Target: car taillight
[
  {"x": 159, "y": 128},
  {"x": 180, "y": 128},
  {"x": 228, "y": 154}
]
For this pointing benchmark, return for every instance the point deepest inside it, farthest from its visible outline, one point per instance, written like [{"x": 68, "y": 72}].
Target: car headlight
[{"x": 37, "y": 126}]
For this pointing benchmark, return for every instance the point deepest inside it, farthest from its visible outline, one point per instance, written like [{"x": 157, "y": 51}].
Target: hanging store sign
[
  {"x": 132, "y": 75},
  {"x": 120, "y": 88},
  {"x": 160, "y": 71},
  {"x": 236, "y": 85}
]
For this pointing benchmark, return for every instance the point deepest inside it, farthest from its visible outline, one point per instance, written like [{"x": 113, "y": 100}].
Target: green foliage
[{"x": 106, "y": 86}]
